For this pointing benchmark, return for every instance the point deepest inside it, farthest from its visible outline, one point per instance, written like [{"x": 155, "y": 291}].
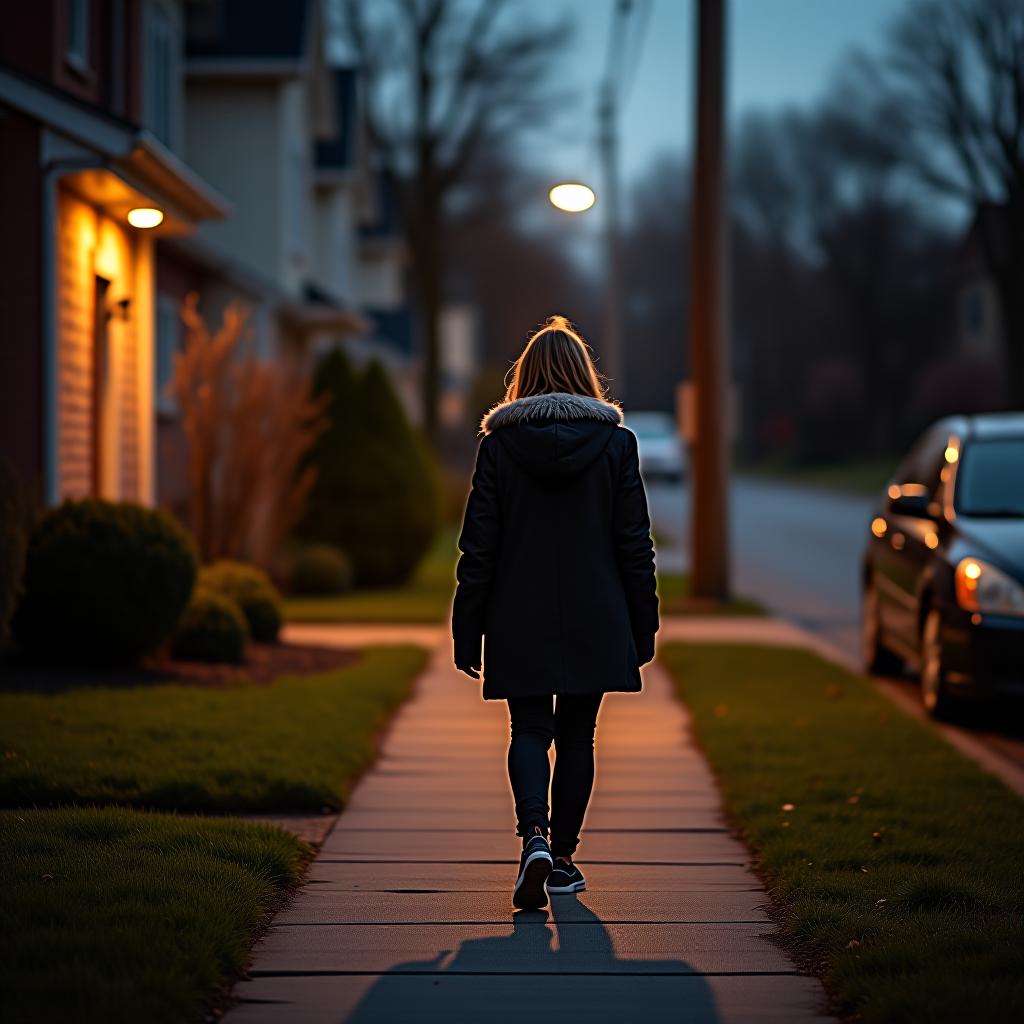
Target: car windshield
[{"x": 991, "y": 478}]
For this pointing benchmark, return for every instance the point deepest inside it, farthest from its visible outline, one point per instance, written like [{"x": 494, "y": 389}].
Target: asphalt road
[{"x": 797, "y": 551}]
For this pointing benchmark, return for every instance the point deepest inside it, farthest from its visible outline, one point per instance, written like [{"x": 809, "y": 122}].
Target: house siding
[{"x": 91, "y": 244}]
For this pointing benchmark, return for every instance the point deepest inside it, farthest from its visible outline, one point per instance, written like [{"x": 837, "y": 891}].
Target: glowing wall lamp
[
  {"x": 572, "y": 196},
  {"x": 145, "y": 217}
]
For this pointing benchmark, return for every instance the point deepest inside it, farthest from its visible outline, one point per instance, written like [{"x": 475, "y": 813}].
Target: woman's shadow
[{"x": 497, "y": 978}]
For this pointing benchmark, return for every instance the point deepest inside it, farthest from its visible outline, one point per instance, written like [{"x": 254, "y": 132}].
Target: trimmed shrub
[
  {"x": 104, "y": 581},
  {"x": 321, "y": 569},
  {"x": 376, "y": 493},
  {"x": 12, "y": 544},
  {"x": 212, "y": 628},
  {"x": 250, "y": 588}
]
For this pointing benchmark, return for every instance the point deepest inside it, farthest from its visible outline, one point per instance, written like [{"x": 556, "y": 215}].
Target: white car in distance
[{"x": 662, "y": 456}]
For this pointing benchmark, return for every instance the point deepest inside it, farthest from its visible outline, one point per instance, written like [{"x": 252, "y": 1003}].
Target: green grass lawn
[
  {"x": 897, "y": 867},
  {"x": 297, "y": 744},
  {"x": 115, "y": 915},
  {"x": 426, "y": 598},
  {"x": 674, "y": 599}
]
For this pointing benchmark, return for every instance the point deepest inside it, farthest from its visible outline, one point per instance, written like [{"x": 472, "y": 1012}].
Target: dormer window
[
  {"x": 161, "y": 71},
  {"x": 77, "y": 22}
]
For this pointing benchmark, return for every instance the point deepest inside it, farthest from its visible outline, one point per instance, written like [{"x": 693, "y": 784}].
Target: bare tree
[
  {"x": 444, "y": 81},
  {"x": 249, "y": 425},
  {"x": 955, "y": 95}
]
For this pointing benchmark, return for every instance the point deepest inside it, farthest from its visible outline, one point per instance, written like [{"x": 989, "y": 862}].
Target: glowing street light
[
  {"x": 572, "y": 196},
  {"x": 145, "y": 217}
]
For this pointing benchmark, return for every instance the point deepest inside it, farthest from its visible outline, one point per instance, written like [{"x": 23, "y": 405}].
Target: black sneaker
[
  {"x": 565, "y": 878},
  {"x": 534, "y": 868}
]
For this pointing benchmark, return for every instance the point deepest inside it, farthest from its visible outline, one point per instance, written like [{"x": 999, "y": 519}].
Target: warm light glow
[
  {"x": 572, "y": 196},
  {"x": 952, "y": 454},
  {"x": 145, "y": 217},
  {"x": 931, "y": 540},
  {"x": 965, "y": 581},
  {"x": 879, "y": 526},
  {"x": 894, "y": 491}
]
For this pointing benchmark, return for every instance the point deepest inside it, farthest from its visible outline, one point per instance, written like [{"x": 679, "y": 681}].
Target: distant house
[
  {"x": 279, "y": 132},
  {"x": 979, "y": 328},
  {"x": 311, "y": 250},
  {"x": 88, "y": 131}
]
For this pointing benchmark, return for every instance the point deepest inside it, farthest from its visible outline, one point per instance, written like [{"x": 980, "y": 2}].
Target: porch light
[
  {"x": 572, "y": 196},
  {"x": 145, "y": 217}
]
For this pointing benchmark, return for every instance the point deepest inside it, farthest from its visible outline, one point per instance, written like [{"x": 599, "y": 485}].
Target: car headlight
[{"x": 981, "y": 587}]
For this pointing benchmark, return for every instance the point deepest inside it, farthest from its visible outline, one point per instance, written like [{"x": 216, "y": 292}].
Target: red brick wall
[
  {"x": 21, "y": 421},
  {"x": 33, "y": 40}
]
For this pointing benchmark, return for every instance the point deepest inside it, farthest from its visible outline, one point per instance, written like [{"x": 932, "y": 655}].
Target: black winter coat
[{"x": 557, "y": 564}]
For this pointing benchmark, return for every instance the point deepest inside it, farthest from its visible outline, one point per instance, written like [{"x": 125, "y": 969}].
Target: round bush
[
  {"x": 321, "y": 569},
  {"x": 104, "y": 581},
  {"x": 212, "y": 628},
  {"x": 250, "y": 588}
]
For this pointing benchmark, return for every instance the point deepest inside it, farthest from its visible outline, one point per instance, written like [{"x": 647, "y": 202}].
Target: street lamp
[{"x": 572, "y": 196}]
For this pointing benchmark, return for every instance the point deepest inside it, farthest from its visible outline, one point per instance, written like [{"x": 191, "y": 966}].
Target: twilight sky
[{"x": 780, "y": 52}]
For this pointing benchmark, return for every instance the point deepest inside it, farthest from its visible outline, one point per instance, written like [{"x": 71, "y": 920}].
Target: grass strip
[
  {"x": 894, "y": 863},
  {"x": 297, "y": 744},
  {"x": 861, "y": 477},
  {"x": 112, "y": 915},
  {"x": 675, "y": 599}
]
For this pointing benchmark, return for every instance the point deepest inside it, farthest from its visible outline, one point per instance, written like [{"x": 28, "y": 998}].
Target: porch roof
[{"x": 121, "y": 149}]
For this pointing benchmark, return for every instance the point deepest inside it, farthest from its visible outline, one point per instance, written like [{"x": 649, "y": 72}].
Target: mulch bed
[{"x": 263, "y": 663}]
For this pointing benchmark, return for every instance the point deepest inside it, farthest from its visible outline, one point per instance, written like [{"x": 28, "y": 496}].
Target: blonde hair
[{"x": 556, "y": 358}]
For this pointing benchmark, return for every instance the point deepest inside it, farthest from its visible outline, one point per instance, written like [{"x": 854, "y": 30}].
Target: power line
[{"x": 633, "y": 62}]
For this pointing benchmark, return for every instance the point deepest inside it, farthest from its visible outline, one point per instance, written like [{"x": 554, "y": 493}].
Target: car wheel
[
  {"x": 878, "y": 659},
  {"x": 934, "y": 694}
]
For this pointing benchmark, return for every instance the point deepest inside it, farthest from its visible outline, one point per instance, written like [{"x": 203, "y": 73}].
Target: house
[
  {"x": 91, "y": 181},
  {"x": 979, "y": 326},
  {"x": 279, "y": 132}
]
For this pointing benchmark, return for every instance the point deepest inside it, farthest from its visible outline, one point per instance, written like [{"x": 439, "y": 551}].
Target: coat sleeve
[
  {"x": 633, "y": 547},
  {"x": 478, "y": 544}
]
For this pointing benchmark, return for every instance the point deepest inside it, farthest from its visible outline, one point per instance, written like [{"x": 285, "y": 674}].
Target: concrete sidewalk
[{"x": 406, "y": 914}]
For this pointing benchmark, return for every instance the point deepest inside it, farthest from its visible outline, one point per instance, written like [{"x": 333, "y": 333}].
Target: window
[
  {"x": 77, "y": 20},
  {"x": 168, "y": 342},
  {"x": 991, "y": 478},
  {"x": 297, "y": 193},
  {"x": 160, "y": 69},
  {"x": 974, "y": 310}
]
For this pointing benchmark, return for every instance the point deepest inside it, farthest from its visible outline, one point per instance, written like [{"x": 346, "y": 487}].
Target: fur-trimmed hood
[
  {"x": 553, "y": 437},
  {"x": 556, "y": 406}
]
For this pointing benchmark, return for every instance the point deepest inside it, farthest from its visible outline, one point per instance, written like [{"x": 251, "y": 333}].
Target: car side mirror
[{"x": 910, "y": 500}]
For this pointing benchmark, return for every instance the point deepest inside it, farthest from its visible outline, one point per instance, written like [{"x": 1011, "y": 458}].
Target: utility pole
[
  {"x": 709, "y": 333},
  {"x": 612, "y": 356}
]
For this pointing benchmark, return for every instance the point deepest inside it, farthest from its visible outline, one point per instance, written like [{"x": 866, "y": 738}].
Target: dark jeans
[{"x": 571, "y": 725}]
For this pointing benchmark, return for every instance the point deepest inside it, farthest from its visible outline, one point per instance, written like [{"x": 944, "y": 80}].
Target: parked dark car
[{"x": 944, "y": 567}]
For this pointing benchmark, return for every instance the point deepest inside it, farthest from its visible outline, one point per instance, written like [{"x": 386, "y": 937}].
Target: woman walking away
[{"x": 556, "y": 583}]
